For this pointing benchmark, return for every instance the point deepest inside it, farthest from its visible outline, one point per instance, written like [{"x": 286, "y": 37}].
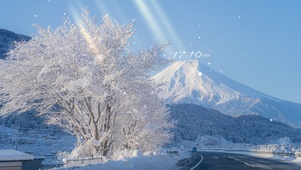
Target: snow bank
[
  {"x": 139, "y": 161},
  {"x": 282, "y": 147}
]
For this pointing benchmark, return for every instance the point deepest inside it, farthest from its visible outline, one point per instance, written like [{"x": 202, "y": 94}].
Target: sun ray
[
  {"x": 173, "y": 35},
  {"x": 161, "y": 26},
  {"x": 103, "y": 8},
  {"x": 150, "y": 19}
]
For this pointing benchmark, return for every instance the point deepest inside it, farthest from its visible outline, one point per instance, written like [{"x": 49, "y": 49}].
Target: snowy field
[
  {"x": 36, "y": 143},
  {"x": 54, "y": 146}
]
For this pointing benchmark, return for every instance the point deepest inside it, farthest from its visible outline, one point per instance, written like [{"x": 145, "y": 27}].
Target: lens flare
[
  {"x": 90, "y": 42},
  {"x": 175, "y": 38},
  {"x": 86, "y": 35},
  {"x": 150, "y": 19},
  {"x": 160, "y": 25}
]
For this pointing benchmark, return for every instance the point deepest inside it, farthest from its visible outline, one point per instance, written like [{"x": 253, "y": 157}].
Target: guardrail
[
  {"x": 172, "y": 152},
  {"x": 82, "y": 161}
]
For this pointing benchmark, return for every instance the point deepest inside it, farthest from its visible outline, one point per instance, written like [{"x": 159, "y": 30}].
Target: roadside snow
[
  {"x": 284, "y": 152},
  {"x": 141, "y": 162}
]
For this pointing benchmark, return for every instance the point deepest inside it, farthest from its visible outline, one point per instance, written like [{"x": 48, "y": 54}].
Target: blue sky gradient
[{"x": 255, "y": 42}]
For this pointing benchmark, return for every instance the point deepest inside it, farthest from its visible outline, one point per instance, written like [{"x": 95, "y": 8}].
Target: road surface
[{"x": 231, "y": 161}]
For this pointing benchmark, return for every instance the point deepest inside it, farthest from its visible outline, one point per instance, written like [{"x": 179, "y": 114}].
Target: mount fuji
[{"x": 194, "y": 82}]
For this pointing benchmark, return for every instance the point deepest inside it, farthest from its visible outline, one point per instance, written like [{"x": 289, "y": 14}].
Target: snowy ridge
[
  {"x": 193, "y": 82},
  {"x": 185, "y": 83},
  {"x": 6, "y": 40}
]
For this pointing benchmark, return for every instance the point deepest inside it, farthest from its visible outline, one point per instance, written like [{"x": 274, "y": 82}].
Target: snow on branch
[{"x": 85, "y": 79}]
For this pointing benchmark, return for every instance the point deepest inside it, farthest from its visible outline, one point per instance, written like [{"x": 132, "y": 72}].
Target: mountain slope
[
  {"x": 6, "y": 40},
  {"x": 193, "y": 82},
  {"x": 194, "y": 121}
]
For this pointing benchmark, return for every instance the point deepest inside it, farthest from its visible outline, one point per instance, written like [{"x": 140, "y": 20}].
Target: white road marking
[
  {"x": 198, "y": 162},
  {"x": 256, "y": 165},
  {"x": 252, "y": 164}
]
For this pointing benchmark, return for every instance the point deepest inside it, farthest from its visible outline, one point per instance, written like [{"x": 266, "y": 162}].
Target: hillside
[
  {"x": 194, "y": 121},
  {"x": 7, "y": 38}
]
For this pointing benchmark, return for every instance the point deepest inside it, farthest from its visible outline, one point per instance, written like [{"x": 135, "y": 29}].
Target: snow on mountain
[
  {"x": 194, "y": 82},
  {"x": 6, "y": 40},
  {"x": 194, "y": 121}
]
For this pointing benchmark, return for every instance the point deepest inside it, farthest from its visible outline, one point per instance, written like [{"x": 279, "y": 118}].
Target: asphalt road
[{"x": 231, "y": 161}]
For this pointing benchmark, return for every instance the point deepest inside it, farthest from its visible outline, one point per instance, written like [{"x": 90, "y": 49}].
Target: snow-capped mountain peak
[{"x": 194, "y": 82}]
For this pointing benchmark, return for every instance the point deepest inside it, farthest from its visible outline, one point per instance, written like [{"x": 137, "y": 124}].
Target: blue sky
[{"x": 255, "y": 42}]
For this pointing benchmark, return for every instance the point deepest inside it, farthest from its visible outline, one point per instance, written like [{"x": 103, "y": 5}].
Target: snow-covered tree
[{"x": 85, "y": 79}]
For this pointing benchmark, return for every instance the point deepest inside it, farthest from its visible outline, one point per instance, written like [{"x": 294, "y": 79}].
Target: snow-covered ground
[
  {"x": 49, "y": 145},
  {"x": 164, "y": 161},
  {"x": 137, "y": 160},
  {"x": 53, "y": 146},
  {"x": 36, "y": 143}
]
